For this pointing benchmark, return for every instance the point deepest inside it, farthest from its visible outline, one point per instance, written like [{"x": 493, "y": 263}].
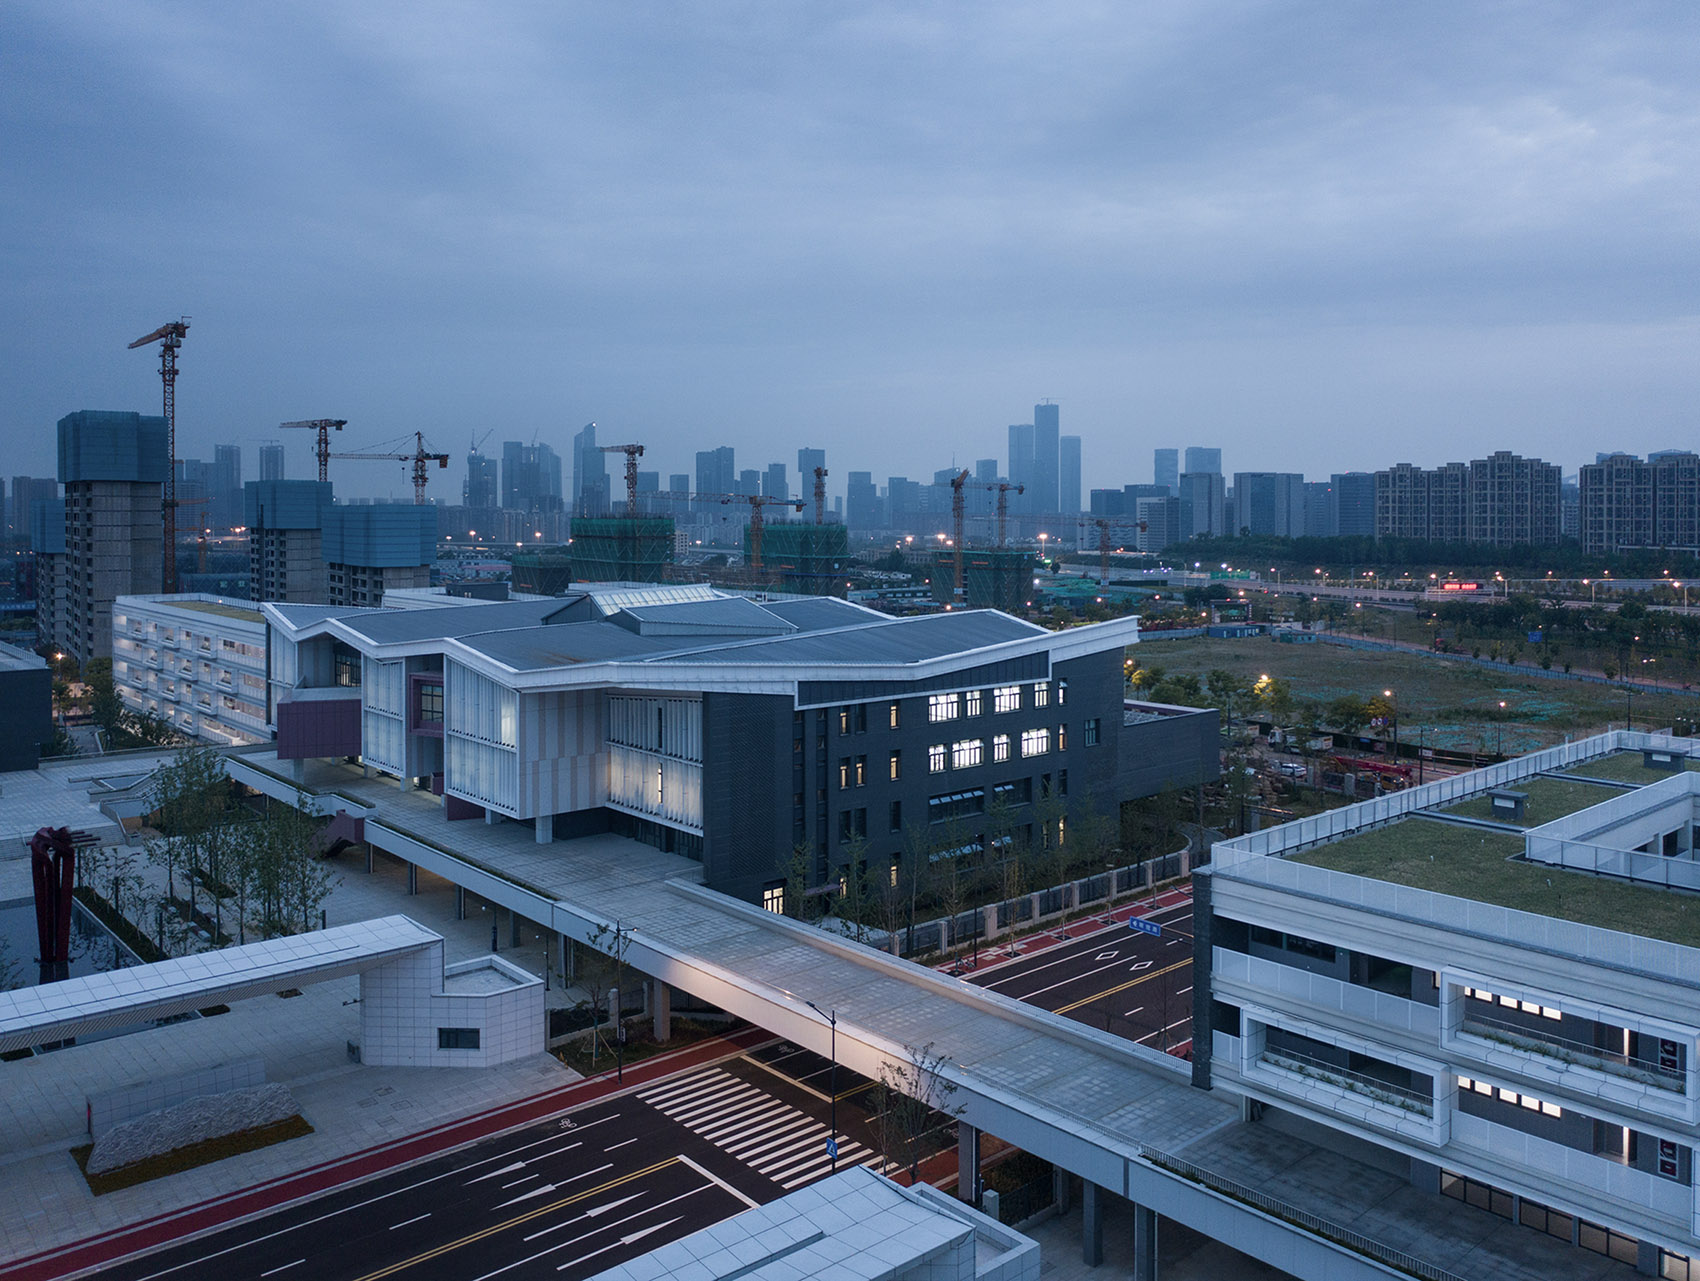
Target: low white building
[{"x": 197, "y": 662}]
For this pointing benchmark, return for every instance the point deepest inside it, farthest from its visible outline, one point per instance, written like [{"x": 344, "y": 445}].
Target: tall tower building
[
  {"x": 226, "y": 486},
  {"x": 531, "y": 477},
  {"x": 590, "y": 474},
  {"x": 1068, "y": 475},
  {"x": 113, "y": 466},
  {"x": 807, "y": 461},
  {"x": 775, "y": 485},
  {"x": 717, "y": 473},
  {"x": 1166, "y": 469},
  {"x": 271, "y": 463},
  {"x": 1200, "y": 458},
  {"x": 1021, "y": 466},
  {"x": 482, "y": 489},
  {"x": 1047, "y": 454}
]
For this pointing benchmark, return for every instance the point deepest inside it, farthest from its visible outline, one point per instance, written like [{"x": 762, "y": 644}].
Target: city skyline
[{"x": 1378, "y": 247}]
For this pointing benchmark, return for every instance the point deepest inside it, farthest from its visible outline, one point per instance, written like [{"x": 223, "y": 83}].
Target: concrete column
[
  {"x": 404, "y": 784},
  {"x": 460, "y": 902},
  {"x": 298, "y": 771},
  {"x": 545, "y": 828},
  {"x": 1144, "y": 1243},
  {"x": 489, "y": 817},
  {"x": 513, "y": 928},
  {"x": 368, "y": 858},
  {"x": 568, "y": 974},
  {"x": 365, "y": 770},
  {"x": 413, "y": 878},
  {"x": 1091, "y": 1225},
  {"x": 991, "y": 913},
  {"x": 661, "y": 1005},
  {"x": 1062, "y": 1186},
  {"x": 967, "y": 1163}
]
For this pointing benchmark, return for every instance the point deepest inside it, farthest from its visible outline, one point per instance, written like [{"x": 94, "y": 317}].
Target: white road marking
[
  {"x": 546, "y": 1188},
  {"x": 405, "y": 1222},
  {"x": 506, "y": 1169},
  {"x": 525, "y": 1179},
  {"x": 715, "y": 1178},
  {"x": 285, "y": 1268},
  {"x": 622, "y": 1143},
  {"x": 625, "y": 1240}
]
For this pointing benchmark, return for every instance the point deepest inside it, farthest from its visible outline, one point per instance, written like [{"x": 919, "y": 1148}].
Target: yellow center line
[
  {"x": 1098, "y": 996},
  {"x": 516, "y": 1221}
]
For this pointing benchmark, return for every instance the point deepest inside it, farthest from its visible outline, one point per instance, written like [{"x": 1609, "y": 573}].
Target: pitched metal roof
[{"x": 894, "y": 640}]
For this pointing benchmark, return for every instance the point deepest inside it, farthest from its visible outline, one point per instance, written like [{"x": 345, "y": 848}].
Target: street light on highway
[{"x": 832, "y": 1081}]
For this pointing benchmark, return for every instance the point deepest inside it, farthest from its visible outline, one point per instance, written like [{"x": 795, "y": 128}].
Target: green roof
[
  {"x": 1485, "y": 865},
  {"x": 1548, "y": 799},
  {"x": 223, "y": 611},
  {"x": 1625, "y": 767}
]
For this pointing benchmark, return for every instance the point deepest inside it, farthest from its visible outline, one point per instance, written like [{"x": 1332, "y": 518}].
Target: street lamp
[
  {"x": 1393, "y": 716},
  {"x": 832, "y": 1081},
  {"x": 1499, "y": 733}
]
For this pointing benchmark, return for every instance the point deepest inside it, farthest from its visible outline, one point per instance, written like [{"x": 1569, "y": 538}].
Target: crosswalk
[{"x": 770, "y": 1137}]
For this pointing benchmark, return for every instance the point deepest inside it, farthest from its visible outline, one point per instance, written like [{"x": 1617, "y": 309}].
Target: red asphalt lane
[
  {"x": 108, "y": 1247},
  {"x": 996, "y": 954}
]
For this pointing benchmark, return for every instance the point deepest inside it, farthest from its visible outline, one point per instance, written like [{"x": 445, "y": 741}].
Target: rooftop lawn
[
  {"x": 1468, "y": 863},
  {"x": 224, "y": 611},
  {"x": 1549, "y": 799},
  {"x": 1624, "y": 766}
]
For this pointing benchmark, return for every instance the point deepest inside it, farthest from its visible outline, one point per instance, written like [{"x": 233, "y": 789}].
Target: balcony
[
  {"x": 1377, "y": 1088},
  {"x": 1642, "y": 1071}
]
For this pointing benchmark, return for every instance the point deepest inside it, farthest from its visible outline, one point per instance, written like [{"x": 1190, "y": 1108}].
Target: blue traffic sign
[
  {"x": 1144, "y": 927},
  {"x": 832, "y": 1149}
]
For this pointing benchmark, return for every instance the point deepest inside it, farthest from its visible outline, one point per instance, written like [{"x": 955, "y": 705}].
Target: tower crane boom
[
  {"x": 169, "y": 336},
  {"x": 322, "y": 446},
  {"x": 632, "y": 453}
]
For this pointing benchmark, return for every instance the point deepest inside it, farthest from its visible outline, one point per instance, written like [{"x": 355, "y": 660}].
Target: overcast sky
[{"x": 1321, "y": 236}]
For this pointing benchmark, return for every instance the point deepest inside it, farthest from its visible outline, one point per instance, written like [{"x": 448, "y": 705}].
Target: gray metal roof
[
  {"x": 896, "y": 640},
  {"x": 817, "y": 613},
  {"x": 404, "y": 626},
  {"x": 729, "y": 615},
  {"x": 299, "y": 616},
  {"x": 564, "y": 644}
]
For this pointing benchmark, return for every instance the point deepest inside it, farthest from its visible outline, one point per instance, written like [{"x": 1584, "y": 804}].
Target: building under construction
[
  {"x": 621, "y": 549},
  {"x": 543, "y": 571},
  {"x": 805, "y": 558},
  {"x": 991, "y": 579}
]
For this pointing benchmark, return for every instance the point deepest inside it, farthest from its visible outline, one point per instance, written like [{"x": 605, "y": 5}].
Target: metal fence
[{"x": 1340, "y": 1235}]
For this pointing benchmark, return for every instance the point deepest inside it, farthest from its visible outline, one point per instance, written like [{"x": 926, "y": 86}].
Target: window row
[
  {"x": 1528, "y": 1101},
  {"x": 1512, "y": 1003},
  {"x": 966, "y": 753},
  {"x": 1005, "y": 698}
]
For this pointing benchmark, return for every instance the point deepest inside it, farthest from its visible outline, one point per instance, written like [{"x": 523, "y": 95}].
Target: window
[
  {"x": 843, "y": 720},
  {"x": 935, "y": 759},
  {"x": 894, "y": 767},
  {"x": 1042, "y": 694},
  {"x": 1062, "y": 693},
  {"x": 859, "y": 718},
  {"x": 457, "y": 1038},
  {"x": 1062, "y": 737},
  {"x": 1512, "y": 1003},
  {"x": 943, "y": 707},
  {"x": 861, "y": 771},
  {"x": 1090, "y": 728},
  {"x": 956, "y": 805},
  {"x": 965, "y": 753},
  {"x": 1006, "y": 698},
  {"x": 1062, "y": 782},
  {"x": 1602, "y": 1240},
  {"x": 430, "y": 704},
  {"x": 844, "y": 825},
  {"x": 896, "y": 816},
  {"x": 974, "y": 703},
  {"x": 348, "y": 670},
  {"x": 1483, "y": 1196},
  {"x": 843, "y": 773},
  {"x": 1035, "y": 742},
  {"x": 773, "y": 897},
  {"x": 1000, "y": 747},
  {"x": 894, "y": 718}
]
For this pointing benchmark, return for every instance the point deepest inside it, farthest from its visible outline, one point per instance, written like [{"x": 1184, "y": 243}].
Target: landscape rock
[{"x": 211, "y": 1116}]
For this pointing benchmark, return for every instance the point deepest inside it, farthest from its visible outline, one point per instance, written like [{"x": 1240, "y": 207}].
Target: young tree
[
  {"x": 914, "y": 1099},
  {"x": 799, "y": 882},
  {"x": 605, "y": 969},
  {"x": 855, "y": 907}
]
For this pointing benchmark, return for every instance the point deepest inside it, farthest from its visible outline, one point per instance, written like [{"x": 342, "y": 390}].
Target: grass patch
[
  {"x": 187, "y": 1158},
  {"x": 1479, "y": 865},
  {"x": 1625, "y": 767},
  {"x": 1549, "y": 799},
  {"x": 640, "y": 1044},
  {"x": 127, "y": 933}
]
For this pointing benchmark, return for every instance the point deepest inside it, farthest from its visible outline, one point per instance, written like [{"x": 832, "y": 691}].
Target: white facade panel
[{"x": 480, "y": 740}]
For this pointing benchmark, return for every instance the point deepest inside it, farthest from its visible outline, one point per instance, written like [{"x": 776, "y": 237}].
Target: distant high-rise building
[
  {"x": 773, "y": 480},
  {"x": 1160, "y": 515},
  {"x": 1625, "y": 503},
  {"x": 862, "y": 502},
  {"x": 749, "y": 483},
  {"x": 483, "y": 487},
  {"x": 590, "y": 474},
  {"x": 1047, "y": 489},
  {"x": 1570, "y": 507},
  {"x": 1202, "y": 512},
  {"x": 113, "y": 466},
  {"x": 1068, "y": 475},
  {"x": 1354, "y": 503},
  {"x": 305, "y": 548},
  {"x": 1321, "y": 514},
  {"x": 1503, "y": 500},
  {"x": 531, "y": 477},
  {"x": 1021, "y": 467},
  {"x": 807, "y": 461},
  {"x": 27, "y": 490},
  {"x": 271, "y": 463},
  {"x": 678, "y": 482},
  {"x": 717, "y": 474},
  {"x": 1199, "y": 458},
  {"x": 226, "y": 511},
  {"x": 1166, "y": 469},
  {"x": 1270, "y": 503}
]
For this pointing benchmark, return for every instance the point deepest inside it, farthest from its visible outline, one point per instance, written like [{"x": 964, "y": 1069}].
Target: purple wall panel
[
  {"x": 309, "y": 729},
  {"x": 455, "y": 808}
]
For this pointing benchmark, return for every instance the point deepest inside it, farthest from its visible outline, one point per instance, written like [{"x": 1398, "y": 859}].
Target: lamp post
[
  {"x": 1499, "y": 733},
  {"x": 831, "y": 1018}
]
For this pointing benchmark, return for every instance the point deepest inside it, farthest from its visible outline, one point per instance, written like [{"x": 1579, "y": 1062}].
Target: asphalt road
[
  {"x": 1121, "y": 981},
  {"x": 564, "y": 1198}
]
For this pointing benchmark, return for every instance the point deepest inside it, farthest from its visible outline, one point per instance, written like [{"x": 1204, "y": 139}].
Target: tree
[
  {"x": 856, "y": 905},
  {"x": 1348, "y": 713},
  {"x": 799, "y": 882},
  {"x": 606, "y": 961},
  {"x": 914, "y": 1099}
]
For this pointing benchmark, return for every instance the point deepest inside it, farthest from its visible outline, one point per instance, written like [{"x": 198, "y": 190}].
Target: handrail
[
  {"x": 1677, "y": 1076},
  {"x": 1305, "y": 1064}
]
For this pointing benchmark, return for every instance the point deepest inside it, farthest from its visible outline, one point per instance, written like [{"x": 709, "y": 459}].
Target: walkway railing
[
  {"x": 1370, "y": 1086},
  {"x": 1321, "y": 1227},
  {"x": 1579, "y": 1053}
]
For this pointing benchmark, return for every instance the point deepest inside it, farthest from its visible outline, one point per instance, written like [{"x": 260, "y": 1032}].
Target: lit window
[
  {"x": 966, "y": 753},
  {"x": 861, "y": 771},
  {"x": 974, "y": 703},
  {"x": 1062, "y": 693},
  {"x": 843, "y": 772},
  {"x": 894, "y": 718},
  {"x": 1062, "y": 738},
  {"x": 1000, "y": 747},
  {"x": 935, "y": 759},
  {"x": 1035, "y": 742},
  {"x": 773, "y": 899},
  {"x": 1042, "y": 694},
  {"x": 1006, "y": 698},
  {"x": 943, "y": 707},
  {"x": 896, "y": 766}
]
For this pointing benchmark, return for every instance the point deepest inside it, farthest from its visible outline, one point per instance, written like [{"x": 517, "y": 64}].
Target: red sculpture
[{"x": 53, "y": 864}]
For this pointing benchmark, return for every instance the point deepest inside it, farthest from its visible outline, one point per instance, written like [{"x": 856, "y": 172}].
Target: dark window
[
  {"x": 844, "y": 825},
  {"x": 457, "y": 1038},
  {"x": 430, "y": 704},
  {"x": 953, "y": 805},
  {"x": 1090, "y": 728},
  {"x": 348, "y": 670},
  {"x": 897, "y": 816},
  {"x": 861, "y": 718}
]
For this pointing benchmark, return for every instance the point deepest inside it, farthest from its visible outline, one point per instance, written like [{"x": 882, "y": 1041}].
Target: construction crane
[
  {"x": 419, "y": 457},
  {"x": 1103, "y": 525},
  {"x": 321, "y": 447},
  {"x": 632, "y": 453},
  {"x": 169, "y": 336},
  {"x": 957, "y": 509},
  {"x": 756, "y": 502},
  {"x": 1003, "y": 487},
  {"x": 479, "y": 440},
  {"x": 820, "y": 495}
]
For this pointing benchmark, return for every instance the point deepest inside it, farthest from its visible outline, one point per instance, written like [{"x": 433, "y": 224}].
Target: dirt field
[{"x": 1450, "y": 704}]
